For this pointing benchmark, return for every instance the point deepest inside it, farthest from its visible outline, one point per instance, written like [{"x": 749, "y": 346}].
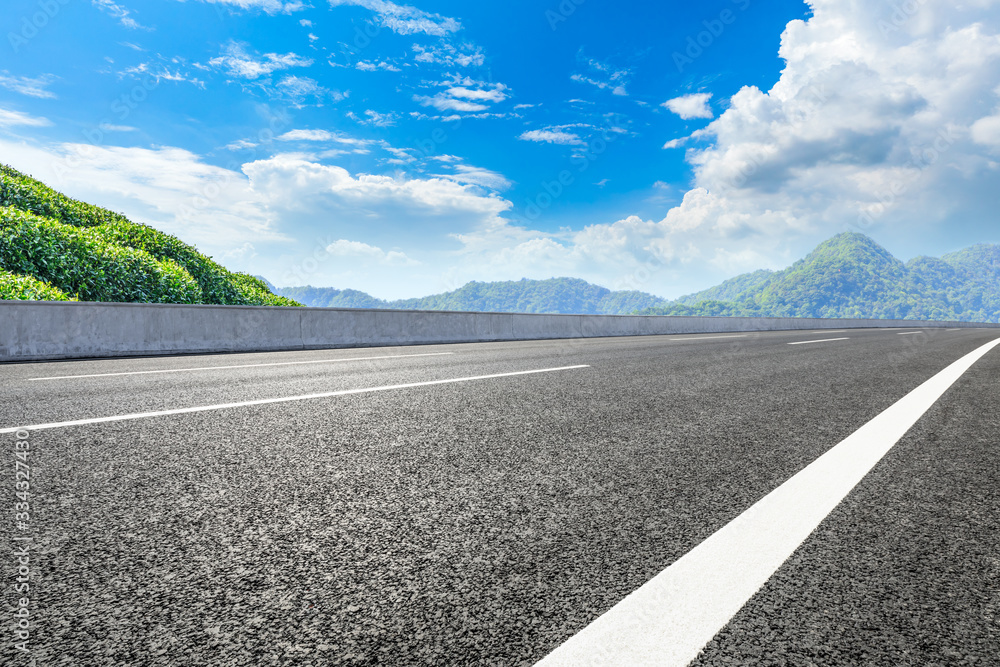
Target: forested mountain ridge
[{"x": 849, "y": 275}]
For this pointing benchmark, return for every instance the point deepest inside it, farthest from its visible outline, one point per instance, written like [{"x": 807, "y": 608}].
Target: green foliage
[
  {"x": 14, "y": 287},
  {"x": 118, "y": 251},
  {"x": 253, "y": 290},
  {"x": 25, "y": 193},
  {"x": 80, "y": 262},
  {"x": 852, "y": 276},
  {"x": 556, "y": 295}
]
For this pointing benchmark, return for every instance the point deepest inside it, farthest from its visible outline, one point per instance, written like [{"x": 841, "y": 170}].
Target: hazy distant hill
[
  {"x": 847, "y": 276},
  {"x": 852, "y": 276},
  {"x": 557, "y": 295}
]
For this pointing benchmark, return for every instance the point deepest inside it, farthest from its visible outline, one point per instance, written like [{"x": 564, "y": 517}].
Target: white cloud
[
  {"x": 691, "y": 106},
  {"x": 10, "y": 118},
  {"x": 605, "y": 77},
  {"x": 449, "y": 55},
  {"x": 345, "y": 248},
  {"x": 404, "y": 19},
  {"x": 268, "y": 6},
  {"x": 168, "y": 188},
  {"x": 119, "y": 12},
  {"x": 553, "y": 136},
  {"x": 366, "y": 66},
  {"x": 108, "y": 127},
  {"x": 32, "y": 87},
  {"x": 238, "y": 63},
  {"x": 323, "y": 136},
  {"x": 485, "y": 178},
  {"x": 496, "y": 94},
  {"x": 444, "y": 102}
]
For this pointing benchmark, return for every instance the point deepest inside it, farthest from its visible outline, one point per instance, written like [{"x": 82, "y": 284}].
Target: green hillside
[
  {"x": 852, "y": 276},
  {"x": 54, "y": 248},
  {"x": 556, "y": 295}
]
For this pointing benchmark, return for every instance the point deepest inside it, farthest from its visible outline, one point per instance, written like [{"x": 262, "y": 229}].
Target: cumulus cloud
[
  {"x": 691, "y": 106},
  {"x": 883, "y": 121}
]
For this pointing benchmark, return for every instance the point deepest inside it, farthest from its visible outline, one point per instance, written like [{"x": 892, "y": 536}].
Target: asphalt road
[{"x": 485, "y": 522}]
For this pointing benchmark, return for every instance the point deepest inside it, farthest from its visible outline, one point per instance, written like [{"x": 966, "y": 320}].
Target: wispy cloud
[
  {"x": 10, "y": 118},
  {"x": 32, "y": 87},
  {"x": 553, "y": 136},
  {"x": 238, "y": 63},
  {"x": 404, "y": 19},
  {"x": 267, "y": 6},
  {"x": 603, "y": 76},
  {"x": 119, "y": 12}
]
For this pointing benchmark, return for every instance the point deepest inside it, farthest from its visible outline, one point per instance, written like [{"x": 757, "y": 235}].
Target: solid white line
[
  {"x": 710, "y": 337},
  {"x": 810, "y": 342},
  {"x": 267, "y": 401},
  {"x": 669, "y": 620},
  {"x": 223, "y": 368}
]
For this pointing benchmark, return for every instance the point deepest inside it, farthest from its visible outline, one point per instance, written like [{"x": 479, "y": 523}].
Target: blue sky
[{"x": 406, "y": 149}]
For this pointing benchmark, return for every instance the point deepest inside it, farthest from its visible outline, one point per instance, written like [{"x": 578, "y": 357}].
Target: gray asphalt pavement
[{"x": 485, "y": 522}]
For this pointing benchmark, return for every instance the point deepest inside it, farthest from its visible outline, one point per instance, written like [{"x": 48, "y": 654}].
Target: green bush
[
  {"x": 81, "y": 262},
  {"x": 25, "y": 193},
  {"x": 256, "y": 293},
  {"x": 25, "y": 288},
  {"x": 215, "y": 281},
  {"x": 114, "y": 235}
]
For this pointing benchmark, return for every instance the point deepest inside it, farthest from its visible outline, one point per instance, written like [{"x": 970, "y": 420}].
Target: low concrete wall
[{"x": 32, "y": 330}]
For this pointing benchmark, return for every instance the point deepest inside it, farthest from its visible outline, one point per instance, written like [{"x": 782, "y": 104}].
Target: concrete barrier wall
[{"x": 32, "y": 330}]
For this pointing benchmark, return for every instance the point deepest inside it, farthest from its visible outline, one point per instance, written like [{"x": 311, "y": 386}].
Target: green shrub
[
  {"x": 25, "y": 193},
  {"x": 26, "y": 288},
  {"x": 216, "y": 284},
  {"x": 256, "y": 293},
  {"x": 215, "y": 281},
  {"x": 82, "y": 262}
]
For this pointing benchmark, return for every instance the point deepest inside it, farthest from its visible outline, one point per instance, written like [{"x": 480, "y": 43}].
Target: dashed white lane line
[
  {"x": 224, "y": 368},
  {"x": 810, "y": 342},
  {"x": 909, "y": 333},
  {"x": 708, "y": 337},
  {"x": 268, "y": 401},
  {"x": 669, "y": 620}
]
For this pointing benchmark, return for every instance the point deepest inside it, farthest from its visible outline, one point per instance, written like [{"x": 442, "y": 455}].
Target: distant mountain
[
  {"x": 849, "y": 275},
  {"x": 556, "y": 295},
  {"x": 852, "y": 276}
]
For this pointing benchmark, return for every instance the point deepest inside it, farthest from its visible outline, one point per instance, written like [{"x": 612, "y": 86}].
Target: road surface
[{"x": 483, "y": 504}]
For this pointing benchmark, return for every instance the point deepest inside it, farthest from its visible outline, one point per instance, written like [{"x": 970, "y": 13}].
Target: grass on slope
[{"x": 92, "y": 254}]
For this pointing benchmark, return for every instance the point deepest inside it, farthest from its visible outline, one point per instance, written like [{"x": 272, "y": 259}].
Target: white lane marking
[
  {"x": 709, "y": 337},
  {"x": 960, "y": 329},
  {"x": 909, "y": 333},
  {"x": 267, "y": 401},
  {"x": 825, "y": 340},
  {"x": 669, "y": 620},
  {"x": 223, "y": 368}
]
